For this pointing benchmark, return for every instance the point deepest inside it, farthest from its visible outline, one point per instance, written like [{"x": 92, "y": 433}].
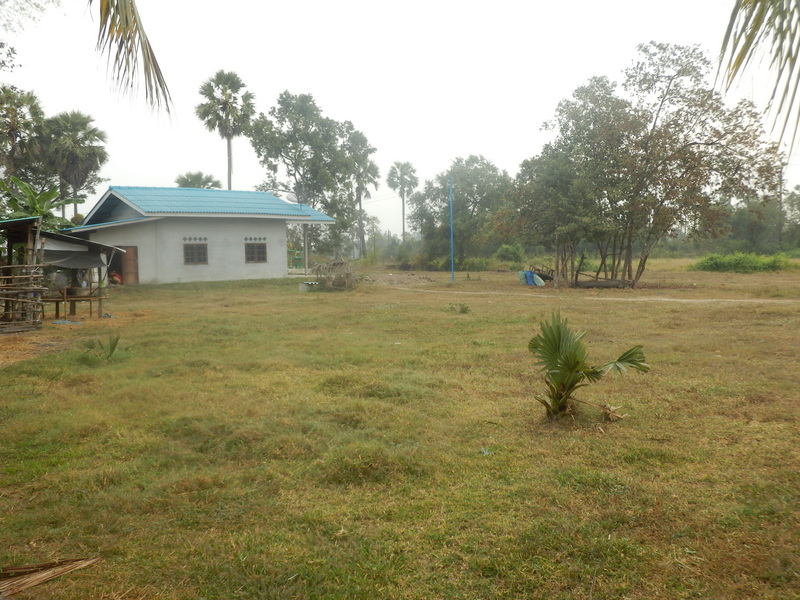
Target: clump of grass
[
  {"x": 361, "y": 463},
  {"x": 461, "y": 309},
  {"x": 741, "y": 262}
]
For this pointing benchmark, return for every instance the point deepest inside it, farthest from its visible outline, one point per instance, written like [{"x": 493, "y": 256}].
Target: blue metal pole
[{"x": 452, "y": 245}]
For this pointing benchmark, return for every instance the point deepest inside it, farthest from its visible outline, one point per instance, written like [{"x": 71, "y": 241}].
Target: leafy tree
[
  {"x": 226, "y": 110},
  {"x": 562, "y": 357},
  {"x": 479, "y": 188},
  {"x": 21, "y": 118},
  {"x": 7, "y": 54},
  {"x": 13, "y": 15},
  {"x": 197, "y": 179},
  {"x": 315, "y": 158},
  {"x": 791, "y": 219},
  {"x": 74, "y": 150},
  {"x": 16, "y": 12},
  {"x": 24, "y": 201},
  {"x": 664, "y": 160},
  {"x": 554, "y": 209},
  {"x": 402, "y": 178},
  {"x": 295, "y": 140}
]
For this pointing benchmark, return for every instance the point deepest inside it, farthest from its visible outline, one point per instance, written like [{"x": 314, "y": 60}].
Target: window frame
[
  {"x": 191, "y": 256},
  {"x": 253, "y": 251}
]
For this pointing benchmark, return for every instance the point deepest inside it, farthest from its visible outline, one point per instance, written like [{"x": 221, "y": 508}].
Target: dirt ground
[
  {"x": 15, "y": 347},
  {"x": 399, "y": 278},
  {"x": 21, "y": 346}
]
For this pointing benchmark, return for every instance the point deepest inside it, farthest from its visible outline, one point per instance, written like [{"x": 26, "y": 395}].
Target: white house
[{"x": 184, "y": 234}]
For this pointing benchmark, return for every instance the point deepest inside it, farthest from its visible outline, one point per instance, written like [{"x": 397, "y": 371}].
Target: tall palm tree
[
  {"x": 773, "y": 27},
  {"x": 198, "y": 179},
  {"x": 365, "y": 173},
  {"x": 226, "y": 110},
  {"x": 402, "y": 178},
  {"x": 75, "y": 150}
]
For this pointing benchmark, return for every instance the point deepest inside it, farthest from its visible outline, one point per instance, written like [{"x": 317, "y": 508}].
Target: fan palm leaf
[{"x": 198, "y": 179}]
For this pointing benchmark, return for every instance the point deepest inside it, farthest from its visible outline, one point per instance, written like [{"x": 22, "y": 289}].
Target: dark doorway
[{"x": 127, "y": 264}]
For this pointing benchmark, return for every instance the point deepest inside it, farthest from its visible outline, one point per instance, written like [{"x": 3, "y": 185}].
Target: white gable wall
[{"x": 160, "y": 247}]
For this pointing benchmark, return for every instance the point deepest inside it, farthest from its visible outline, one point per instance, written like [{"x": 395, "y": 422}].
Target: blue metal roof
[
  {"x": 152, "y": 201},
  {"x": 98, "y": 225},
  {"x": 314, "y": 215}
]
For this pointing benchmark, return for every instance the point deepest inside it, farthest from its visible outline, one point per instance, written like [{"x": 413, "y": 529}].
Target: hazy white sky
[{"x": 426, "y": 81}]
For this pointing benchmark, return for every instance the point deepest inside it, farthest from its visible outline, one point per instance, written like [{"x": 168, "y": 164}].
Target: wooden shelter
[
  {"x": 21, "y": 278},
  {"x": 24, "y": 289}
]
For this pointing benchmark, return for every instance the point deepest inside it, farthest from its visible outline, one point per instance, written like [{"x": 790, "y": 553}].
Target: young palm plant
[{"x": 561, "y": 355}]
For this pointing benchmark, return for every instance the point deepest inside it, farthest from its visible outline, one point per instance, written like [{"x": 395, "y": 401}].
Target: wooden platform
[{"x": 96, "y": 295}]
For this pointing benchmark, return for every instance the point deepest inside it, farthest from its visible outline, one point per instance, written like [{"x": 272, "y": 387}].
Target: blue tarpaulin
[{"x": 532, "y": 278}]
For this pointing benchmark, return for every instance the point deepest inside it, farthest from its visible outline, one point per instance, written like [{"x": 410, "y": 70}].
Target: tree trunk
[
  {"x": 403, "y": 202},
  {"x": 230, "y": 160},
  {"x": 361, "y": 235}
]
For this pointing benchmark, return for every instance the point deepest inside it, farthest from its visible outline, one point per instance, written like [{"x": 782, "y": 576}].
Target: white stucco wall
[{"x": 160, "y": 247}]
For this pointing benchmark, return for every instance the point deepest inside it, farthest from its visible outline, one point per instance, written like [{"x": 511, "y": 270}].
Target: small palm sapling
[{"x": 561, "y": 356}]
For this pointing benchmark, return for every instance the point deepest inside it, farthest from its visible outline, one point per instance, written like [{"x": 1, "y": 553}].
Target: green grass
[
  {"x": 741, "y": 263},
  {"x": 251, "y": 441}
]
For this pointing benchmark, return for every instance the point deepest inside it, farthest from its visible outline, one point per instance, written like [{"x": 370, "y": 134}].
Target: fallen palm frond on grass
[{"x": 18, "y": 579}]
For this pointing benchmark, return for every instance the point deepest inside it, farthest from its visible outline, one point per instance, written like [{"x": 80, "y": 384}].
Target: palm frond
[
  {"x": 632, "y": 359},
  {"x": 771, "y": 27},
  {"x": 122, "y": 36}
]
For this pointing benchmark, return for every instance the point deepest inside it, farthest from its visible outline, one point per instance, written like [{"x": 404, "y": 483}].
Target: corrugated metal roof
[
  {"x": 314, "y": 215},
  {"x": 98, "y": 225},
  {"x": 158, "y": 201}
]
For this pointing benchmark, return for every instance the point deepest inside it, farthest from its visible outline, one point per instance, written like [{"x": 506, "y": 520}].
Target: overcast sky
[{"x": 426, "y": 81}]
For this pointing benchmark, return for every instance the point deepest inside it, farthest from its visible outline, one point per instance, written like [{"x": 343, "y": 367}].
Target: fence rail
[{"x": 21, "y": 291}]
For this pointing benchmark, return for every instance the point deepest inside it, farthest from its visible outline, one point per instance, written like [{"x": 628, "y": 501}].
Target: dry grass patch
[{"x": 256, "y": 442}]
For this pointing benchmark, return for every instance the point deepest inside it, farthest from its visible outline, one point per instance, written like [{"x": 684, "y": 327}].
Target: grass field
[{"x": 250, "y": 441}]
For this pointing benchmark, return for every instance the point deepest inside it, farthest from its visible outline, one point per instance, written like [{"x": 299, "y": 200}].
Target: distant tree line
[
  {"x": 633, "y": 164},
  {"x": 658, "y": 157},
  {"x": 651, "y": 161}
]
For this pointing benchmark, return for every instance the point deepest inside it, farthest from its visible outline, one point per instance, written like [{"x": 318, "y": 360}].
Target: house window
[
  {"x": 195, "y": 254},
  {"x": 255, "y": 253}
]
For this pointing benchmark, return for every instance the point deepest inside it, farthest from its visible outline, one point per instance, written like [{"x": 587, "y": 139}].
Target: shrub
[
  {"x": 513, "y": 253},
  {"x": 741, "y": 262},
  {"x": 474, "y": 264}
]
